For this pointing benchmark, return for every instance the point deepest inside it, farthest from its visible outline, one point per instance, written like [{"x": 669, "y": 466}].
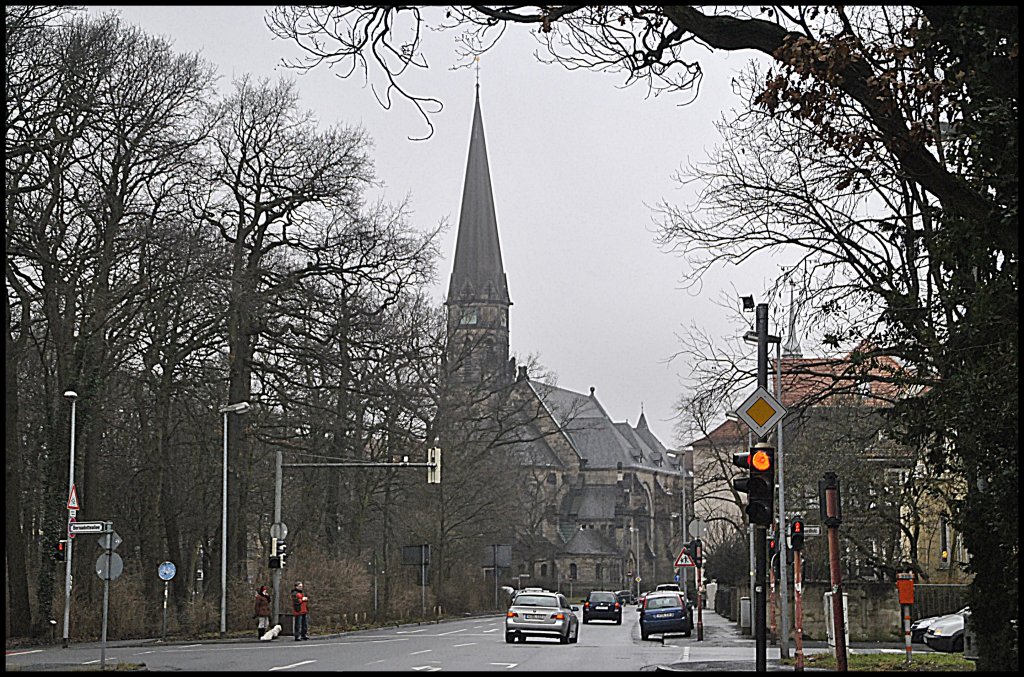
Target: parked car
[
  {"x": 626, "y": 597},
  {"x": 920, "y": 626},
  {"x": 640, "y": 601},
  {"x": 542, "y": 614},
  {"x": 665, "y": 613},
  {"x": 946, "y": 633},
  {"x": 602, "y": 605},
  {"x": 661, "y": 587}
]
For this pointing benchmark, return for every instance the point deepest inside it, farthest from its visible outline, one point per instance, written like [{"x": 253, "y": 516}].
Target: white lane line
[
  {"x": 419, "y": 652},
  {"x": 89, "y": 662},
  {"x": 22, "y": 653},
  {"x": 451, "y": 632},
  {"x": 374, "y": 662},
  {"x": 410, "y": 632},
  {"x": 686, "y": 654},
  {"x": 492, "y": 630},
  {"x": 293, "y": 665},
  {"x": 455, "y": 646}
]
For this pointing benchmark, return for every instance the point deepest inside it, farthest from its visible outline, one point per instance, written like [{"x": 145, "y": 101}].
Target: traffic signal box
[
  {"x": 57, "y": 554},
  {"x": 796, "y": 533},
  {"x": 759, "y": 483}
]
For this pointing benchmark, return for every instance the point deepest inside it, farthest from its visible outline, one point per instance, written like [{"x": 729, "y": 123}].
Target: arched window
[
  {"x": 543, "y": 570},
  {"x": 572, "y": 571}
]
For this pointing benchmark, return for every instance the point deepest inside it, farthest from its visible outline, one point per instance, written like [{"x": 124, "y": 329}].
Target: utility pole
[
  {"x": 828, "y": 490},
  {"x": 760, "y": 639}
]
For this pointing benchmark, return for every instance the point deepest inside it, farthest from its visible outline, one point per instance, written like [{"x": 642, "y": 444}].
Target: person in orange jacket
[
  {"x": 300, "y": 608},
  {"x": 261, "y": 610}
]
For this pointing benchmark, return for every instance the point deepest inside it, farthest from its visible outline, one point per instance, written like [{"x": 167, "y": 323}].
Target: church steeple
[{"x": 478, "y": 299}]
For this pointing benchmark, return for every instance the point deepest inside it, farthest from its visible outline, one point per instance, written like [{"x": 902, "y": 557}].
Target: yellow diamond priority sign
[{"x": 761, "y": 411}]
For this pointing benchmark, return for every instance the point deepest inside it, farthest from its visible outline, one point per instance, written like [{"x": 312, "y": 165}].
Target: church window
[
  {"x": 572, "y": 571},
  {"x": 503, "y": 319},
  {"x": 469, "y": 316},
  {"x": 551, "y": 478},
  {"x": 543, "y": 570}
]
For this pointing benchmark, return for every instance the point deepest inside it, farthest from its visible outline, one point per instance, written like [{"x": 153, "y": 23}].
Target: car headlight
[{"x": 936, "y": 631}]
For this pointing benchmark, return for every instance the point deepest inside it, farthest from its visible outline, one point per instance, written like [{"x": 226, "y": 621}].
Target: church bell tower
[{"x": 478, "y": 302}]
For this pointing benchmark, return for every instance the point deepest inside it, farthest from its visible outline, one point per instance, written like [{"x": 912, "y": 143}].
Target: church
[{"x": 612, "y": 498}]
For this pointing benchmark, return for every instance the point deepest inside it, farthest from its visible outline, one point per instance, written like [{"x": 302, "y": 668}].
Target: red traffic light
[{"x": 761, "y": 460}]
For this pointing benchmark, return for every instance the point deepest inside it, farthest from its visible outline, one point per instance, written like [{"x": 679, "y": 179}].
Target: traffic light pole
[
  {"x": 277, "y": 520},
  {"x": 760, "y": 531}
]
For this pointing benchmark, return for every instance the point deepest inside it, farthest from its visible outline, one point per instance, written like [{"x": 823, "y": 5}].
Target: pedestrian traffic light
[
  {"x": 434, "y": 469},
  {"x": 773, "y": 547},
  {"x": 696, "y": 552},
  {"x": 796, "y": 533},
  {"x": 758, "y": 485},
  {"x": 282, "y": 553},
  {"x": 57, "y": 554}
]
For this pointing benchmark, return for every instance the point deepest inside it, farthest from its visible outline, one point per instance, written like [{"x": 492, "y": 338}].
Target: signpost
[
  {"x": 108, "y": 567},
  {"x": 166, "y": 572},
  {"x": 761, "y": 411},
  {"x": 88, "y": 528}
]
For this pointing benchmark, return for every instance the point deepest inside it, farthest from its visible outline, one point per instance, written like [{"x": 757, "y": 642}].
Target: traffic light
[
  {"x": 696, "y": 552},
  {"x": 773, "y": 547},
  {"x": 759, "y": 484},
  {"x": 434, "y": 470},
  {"x": 57, "y": 554},
  {"x": 282, "y": 553},
  {"x": 796, "y": 533}
]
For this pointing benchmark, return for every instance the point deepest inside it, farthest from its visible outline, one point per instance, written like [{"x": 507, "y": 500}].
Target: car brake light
[
  {"x": 586, "y": 605},
  {"x": 512, "y": 614},
  {"x": 558, "y": 617},
  {"x": 616, "y": 605}
]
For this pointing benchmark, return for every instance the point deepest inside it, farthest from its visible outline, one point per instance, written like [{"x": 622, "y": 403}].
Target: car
[
  {"x": 542, "y": 614},
  {"x": 626, "y": 597},
  {"x": 920, "y": 626},
  {"x": 665, "y": 613},
  {"x": 662, "y": 587},
  {"x": 602, "y": 605},
  {"x": 946, "y": 633}
]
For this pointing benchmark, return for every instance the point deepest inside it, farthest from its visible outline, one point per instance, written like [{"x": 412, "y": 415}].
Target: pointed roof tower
[{"x": 478, "y": 274}]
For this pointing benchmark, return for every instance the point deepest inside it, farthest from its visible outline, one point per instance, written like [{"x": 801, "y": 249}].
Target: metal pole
[
  {"x": 67, "y": 563},
  {"x": 163, "y": 628},
  {"x": 106, "y": 598},
  {"x": 277, "y": 520},
  {"x": 771, "y": 600},
  {"x": 799, "y": 620},
  {"x": 424, "y": 549},
  {"x": 832, "y": 507},
  {"x": 683, "y": 534},
  {"x": 494, "y": 563},
  {"x": 224, "y": 534},
  {"x": 783, "y": 574},
  {"x": 760, "y": 532}
]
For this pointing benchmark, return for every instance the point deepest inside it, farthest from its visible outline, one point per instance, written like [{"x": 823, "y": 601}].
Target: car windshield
[
  {"x": 536, "y": 600},
  {"x": 666, "y": 602},
  {"x": 602, "y": 597}
]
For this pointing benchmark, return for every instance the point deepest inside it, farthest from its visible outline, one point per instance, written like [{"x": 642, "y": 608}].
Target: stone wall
[{"x": 874, "y": 609}]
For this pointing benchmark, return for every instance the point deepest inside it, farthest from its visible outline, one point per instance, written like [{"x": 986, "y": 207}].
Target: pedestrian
[
  {"x": 261, "y": 610},
  {"x": 300, "y": 608}
]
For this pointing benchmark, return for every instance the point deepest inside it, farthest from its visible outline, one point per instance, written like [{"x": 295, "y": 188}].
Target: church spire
[
  {"x": 478, "y": 274},
  {"x": 792, "y": 347}
]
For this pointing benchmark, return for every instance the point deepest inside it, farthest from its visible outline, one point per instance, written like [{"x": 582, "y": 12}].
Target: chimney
[
  {"x": 522, "y": 374},
  {"x": 591, "y": 391}
]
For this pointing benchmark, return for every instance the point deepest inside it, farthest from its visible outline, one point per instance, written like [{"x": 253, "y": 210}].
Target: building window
[
  {"x": 598, "y": 574},
  {"x": 572, "y": 571},
  {"x": 469, "y": 316},
  {"x": 543, "y": 570},
  {"x": 551, "y": 478}
]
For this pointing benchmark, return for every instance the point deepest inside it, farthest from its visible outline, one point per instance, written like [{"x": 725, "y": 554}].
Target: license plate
[
  {"x": 535, "y": 616},
  {"x": 602, "y": 607},
  {"x": 664, "y": 616}
]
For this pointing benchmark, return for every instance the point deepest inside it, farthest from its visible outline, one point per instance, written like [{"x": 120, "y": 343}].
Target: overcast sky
[{"x": 577, "y": 163}]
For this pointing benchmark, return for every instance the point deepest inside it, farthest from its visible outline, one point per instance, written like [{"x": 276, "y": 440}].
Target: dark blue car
[{"x": 665, "y": 613}]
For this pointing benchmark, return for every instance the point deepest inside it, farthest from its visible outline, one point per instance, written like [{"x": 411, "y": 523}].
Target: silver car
[{"x": 542, "y": 614}]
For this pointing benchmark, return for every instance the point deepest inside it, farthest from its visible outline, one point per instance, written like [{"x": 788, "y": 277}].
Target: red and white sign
[
  {"x": 73, "y": 500},
  {"x": 71, "y": 520},
  {"x": 684, "y": 560}
]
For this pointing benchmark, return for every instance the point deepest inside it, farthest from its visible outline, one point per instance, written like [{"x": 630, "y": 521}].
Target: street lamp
[
  {"x": 237, "y": 408},
  {"x": 71, "y": 395}
]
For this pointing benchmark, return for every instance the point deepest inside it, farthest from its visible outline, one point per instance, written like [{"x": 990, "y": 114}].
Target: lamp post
[
  {"x": 237, "y": 408},
  {"x": 71, "y": 395}
]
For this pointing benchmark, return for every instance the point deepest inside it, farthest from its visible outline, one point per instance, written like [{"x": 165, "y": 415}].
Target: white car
[
  {"x": 946, "y": 633},
  {"x": 920, "y": 626}
]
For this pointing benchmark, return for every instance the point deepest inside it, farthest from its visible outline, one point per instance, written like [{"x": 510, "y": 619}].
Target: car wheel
[
  {"x": 643, "y": 635},
  {"x": 958, "y": 643},
  {"x": 564, "y": 639},
  {"x": 618, "y": 621},
  {"x": 586, "y": 620},
  {"x": 687, "y": 633},
  {"x": 575, "y": 637},
  {"x": 509, "y": 638}
]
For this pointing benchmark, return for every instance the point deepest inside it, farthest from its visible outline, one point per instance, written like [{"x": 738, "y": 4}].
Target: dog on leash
[{"x": 271, "y": 633}]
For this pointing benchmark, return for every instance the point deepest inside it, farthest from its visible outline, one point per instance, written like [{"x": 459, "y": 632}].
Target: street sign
[
  {"x": 812, "y": 530},
  {"x": 761, "y": 411},
  {"x": 684, "y": 559},
  {"x": 279, "y": 530},
  {"x": 109, "y": 567},
  {"x": 73, "y": 500},
  {"x": 637, "y": 579},
  {"x": 696, "y": 528},
  {"x": 71, "y": 521},
  {"x": 109, "y": 541},
  {"x": 86, "y": 528},
  {"x": 166, "y": 571}
]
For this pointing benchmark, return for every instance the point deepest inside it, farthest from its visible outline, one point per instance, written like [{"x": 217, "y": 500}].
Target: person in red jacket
[
  {"x": 300, "y": 608},
  {"x": 261, "y": 610}
]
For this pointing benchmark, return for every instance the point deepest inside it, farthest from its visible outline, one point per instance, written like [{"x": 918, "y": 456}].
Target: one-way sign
[{"x": 86, "y": 528}]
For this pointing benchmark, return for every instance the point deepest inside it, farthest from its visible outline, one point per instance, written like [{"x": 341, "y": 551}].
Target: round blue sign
[
  {"x": 677, "y": 578},
  {"x": 166, "y": 571}
]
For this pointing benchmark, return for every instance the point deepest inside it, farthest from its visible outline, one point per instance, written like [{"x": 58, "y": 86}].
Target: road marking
[
  {"x": 89, "y": 662},
  {"x": 22, "y": 653},
  {"x": 293, "y": 665},
  {"x": 492, "y": 630},
  {"x": 428, "y": 668},
  {"x": 410, "y": 632},
  {"x": 686, "y": 654},
  {"x": 380, "y": 661},
  {"x": 455, "y": 646},
  {"x": 452, "y": 632},
  {"x": 508, "y": 666},
  {"x": 419, "y": 652}
]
